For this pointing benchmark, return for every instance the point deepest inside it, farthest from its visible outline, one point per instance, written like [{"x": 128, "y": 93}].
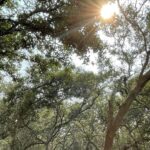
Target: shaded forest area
[{"x": 47, "y": 103}]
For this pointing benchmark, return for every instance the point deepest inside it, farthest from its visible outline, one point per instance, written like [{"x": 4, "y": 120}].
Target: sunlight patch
[{"x": 108, "y": 11}]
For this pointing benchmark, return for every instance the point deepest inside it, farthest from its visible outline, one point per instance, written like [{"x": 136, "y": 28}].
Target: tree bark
[
  {"x": 109, "y": 139},
  {"x": 114, "y": 123},
  {"x": 46, "y": 147}
]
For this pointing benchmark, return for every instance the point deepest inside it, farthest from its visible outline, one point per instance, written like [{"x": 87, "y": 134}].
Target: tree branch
[
  {"x": 134, "y": 24},
  {"x": 131, "y": 97}
]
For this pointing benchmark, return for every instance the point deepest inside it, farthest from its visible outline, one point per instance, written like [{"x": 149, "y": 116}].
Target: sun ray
[
  {"x": 88, "y": 15},
  {"x": 88, "y": 34},
  {"x": 77, "y": 27}
]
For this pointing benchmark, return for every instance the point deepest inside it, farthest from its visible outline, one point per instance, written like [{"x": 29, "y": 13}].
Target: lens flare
[{"x": 108, "y": 11}]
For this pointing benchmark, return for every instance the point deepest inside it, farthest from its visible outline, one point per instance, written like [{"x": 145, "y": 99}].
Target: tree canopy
[{"x": 47, "y": 102}]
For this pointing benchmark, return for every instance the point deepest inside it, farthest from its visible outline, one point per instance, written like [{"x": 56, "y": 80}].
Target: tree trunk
[
  {"x": 46, "y": 147},
  {"x": 109, "y": 139}
]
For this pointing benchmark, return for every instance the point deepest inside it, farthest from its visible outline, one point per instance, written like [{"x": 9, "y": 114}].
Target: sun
[{"x": 108, "y": 11}]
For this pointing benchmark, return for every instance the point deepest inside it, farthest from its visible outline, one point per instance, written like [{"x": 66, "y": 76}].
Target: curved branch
[{"x": 134, "y": 24}]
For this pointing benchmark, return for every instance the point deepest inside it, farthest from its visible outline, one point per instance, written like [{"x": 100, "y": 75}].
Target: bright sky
[{"x": 91, "y": 66}]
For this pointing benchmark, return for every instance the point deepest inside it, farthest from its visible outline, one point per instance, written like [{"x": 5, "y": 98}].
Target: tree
[
  {"x": 136, "y": 30},
  {"x": 44, "y": 34}
]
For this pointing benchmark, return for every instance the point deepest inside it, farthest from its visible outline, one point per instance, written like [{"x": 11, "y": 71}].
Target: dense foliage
[{"x": 48, "y": 103}]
